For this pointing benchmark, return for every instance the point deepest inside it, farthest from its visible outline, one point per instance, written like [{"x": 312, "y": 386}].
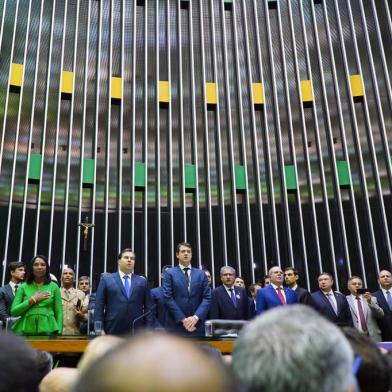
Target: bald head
[
  {"x": 60, "y": 379},
  {"x": 156, "y": 362}
]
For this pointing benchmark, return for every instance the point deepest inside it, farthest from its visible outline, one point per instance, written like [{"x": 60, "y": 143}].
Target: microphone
[{"x": 142, "y": 316}]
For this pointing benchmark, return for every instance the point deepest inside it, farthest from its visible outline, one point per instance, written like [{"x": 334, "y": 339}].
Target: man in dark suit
[
  {"x": 384, "y": 300},
  {"x": 274, "y": 294},
  {"x": 16, "y": 271},
  {"x": 187, "y": 295},
  {"x": 332, "y": 304},
  {"x": 123, "y": 297},
  {"x": 291, "y": 279},
  {"x": 158, "y": 299},
  {"x": 253, "y": 289},
  {"x": 229, "y": 302}
]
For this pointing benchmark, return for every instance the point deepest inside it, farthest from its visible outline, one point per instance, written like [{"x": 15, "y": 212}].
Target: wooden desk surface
[{"x": 78, "y": 345}]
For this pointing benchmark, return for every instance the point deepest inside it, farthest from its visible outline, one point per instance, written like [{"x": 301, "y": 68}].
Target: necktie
[
  {"x": 186, "y": 274},
  {"x": 332, "y": 302},
  {"x": 126, "y": 285},
  {"x": 361, "y": 315},
  {"x": 280, "y": 295},
  {"x": 232, "y": 296},
  {"x": 389, "y": 299},
  {"x": 16, "y": 288}
]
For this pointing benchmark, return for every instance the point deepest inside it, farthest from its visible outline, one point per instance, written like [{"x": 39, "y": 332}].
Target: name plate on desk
[{"x": 223, "y": 328}]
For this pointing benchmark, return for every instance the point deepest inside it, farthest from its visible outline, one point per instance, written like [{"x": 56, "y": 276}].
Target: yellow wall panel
[
  {"x": 211, "y": 94},
  {"x": 116, "y": 88},
  {"x": 67, "y": 82},
  {"x": 164, "y": 91},
  {"x": 356, "y": 85},
  {"x": 258, "y": 93},
  {"x": 306, "y": 91},
  {"x": 16, "y": 75}
]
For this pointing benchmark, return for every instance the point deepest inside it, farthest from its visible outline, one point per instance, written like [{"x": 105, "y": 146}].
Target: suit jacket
[
  {"x": 252, "y": 308},
  {"x": 371, "y": 312},
  {"x": 6, "y": 298},
  {"x": 385, "y": 323},
  {"x": 182, "y": 303},
  {"x": 158, "y": 299},
  {"x": 222, "y": 307},
  {"x": 267, "y": 298},
  {"x": 115, "y": 310},
  {"x": 323, "y": 306},
  {"x": 304, "y": 297},
  {"x": 42, "y": 318}
]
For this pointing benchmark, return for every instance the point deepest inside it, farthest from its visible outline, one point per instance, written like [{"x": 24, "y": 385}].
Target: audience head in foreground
[
  {"x": 292, "y": 348},
  {"x": 155, "y": 362},
  {"x": 60, "y": 379},
  {"x": 18, "y": 370}
]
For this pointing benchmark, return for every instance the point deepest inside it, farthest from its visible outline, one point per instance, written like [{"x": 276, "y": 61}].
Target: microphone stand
[{"x": 142, "y": 317}]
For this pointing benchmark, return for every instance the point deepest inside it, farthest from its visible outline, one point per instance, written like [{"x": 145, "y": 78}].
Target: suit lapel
[
  {"x": 382, "y": 301},
  {"x": 183, "y": 279},
  {"x": 338, "y": 303},
  {"x": 133, "y": 284},
  {"x": 117, "y": 279},
  {"x": 326, "y": 300},
  {"x": 9, "y": 291}
]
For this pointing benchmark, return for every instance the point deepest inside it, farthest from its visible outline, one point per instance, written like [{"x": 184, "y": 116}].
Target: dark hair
[
  {"x": 30, "y": 275},
  {"x": 18, "y": 370},
  {"x": 291, "y": 269},
  {"x": 84, "y": 277},
  {"x": 354, "y": 277},
  {"x": 252, "y": 287},
  {"x": 13, "y": 266},
  {"x": 123, "y": 251},
  {"x": 325, "y": 273},
  {"x": 186, "y": 244},
  {"x": 373, "y": 374}
]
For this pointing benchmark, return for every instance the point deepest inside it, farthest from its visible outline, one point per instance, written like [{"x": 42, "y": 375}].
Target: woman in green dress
[{"x": 38, "y": 302}]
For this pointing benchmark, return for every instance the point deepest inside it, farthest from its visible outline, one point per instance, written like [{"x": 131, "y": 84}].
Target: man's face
[
  {"x": 267, "y": 281},
  {"x": 67, "y": 277},
  {"x": 208, "y": 277},
  {"x": 227, "y": 277},
  {"x": 290, "y": 278},
  {"x": 256, "y": 289},
  {"x": 127, "y": 262},
  {"x": 84, "y": 285},
  {"x": 385, "y": 279},
  {"x": 239, "y": 282},
  {"x": 184, "y": 255},
  {"x": 18, "y": 274},
  {"x": 325, "y": 282},
  {"x": 276, "y": 276},
  {"x": 353, "y": 285}
]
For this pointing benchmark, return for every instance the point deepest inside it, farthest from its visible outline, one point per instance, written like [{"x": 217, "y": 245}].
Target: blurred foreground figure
[
  {"x": 292, "y": 348},
  {"x": 59, "y": 380},
  {"x": 18, "y": 365},
  {"x": 155, "y": 362}
]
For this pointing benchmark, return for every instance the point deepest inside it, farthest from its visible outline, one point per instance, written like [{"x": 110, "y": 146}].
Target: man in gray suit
[{"x": 364, "y": 309}]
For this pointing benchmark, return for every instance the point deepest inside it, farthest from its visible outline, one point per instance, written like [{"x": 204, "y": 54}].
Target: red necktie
[
  {"x": 361, "y": 315},
  {"x": 280, "y": 295}
]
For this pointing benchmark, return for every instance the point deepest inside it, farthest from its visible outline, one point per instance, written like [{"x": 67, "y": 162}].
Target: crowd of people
[{"x": 291, "y": 339}]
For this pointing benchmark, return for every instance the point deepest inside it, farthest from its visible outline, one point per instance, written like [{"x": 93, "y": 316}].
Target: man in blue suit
[
  {"x": 123, "y": 297},
  {"x": 274, "y": 294},
  {"x": 187, "y": 295},
  {"x": 158, "y": 299},
  {"x": 332, "y": 304},
  {"x": 384, "y": 298},
  {"x": 229, "y": 302}
]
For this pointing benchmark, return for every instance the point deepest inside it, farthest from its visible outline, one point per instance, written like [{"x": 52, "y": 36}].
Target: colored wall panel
[
  {"x": 306, "y": 91},
  {"x": 190, "y": 176},
  {"x": 116, "y": 88},
  {"x": 140, "y": 177},
  {"x": 343, "y": 174},
  {"x": 35, "y": 167},
  {"x": 67, "y": 82},
  {"x": 258, "y": 93},
  {"x": 16, "y": 75},
  {"x": 211, "y": 94},
  {"x": 240, "y": 178},
  {"x": 88, "y": 171},
  {"x": 356, "y": 86},
  {"x": 290, "y": 177},
  {"x": 164, "y": 91}
]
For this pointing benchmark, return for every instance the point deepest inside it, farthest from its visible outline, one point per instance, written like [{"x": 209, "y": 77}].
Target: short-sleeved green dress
[{"x": 42, "y": 318}]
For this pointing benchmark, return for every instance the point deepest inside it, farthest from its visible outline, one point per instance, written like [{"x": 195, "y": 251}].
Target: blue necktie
[
  {"x": 232, "y": 296},
  {"x": 389, "y": 300},
  {"x": 126, "y": 285}
]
